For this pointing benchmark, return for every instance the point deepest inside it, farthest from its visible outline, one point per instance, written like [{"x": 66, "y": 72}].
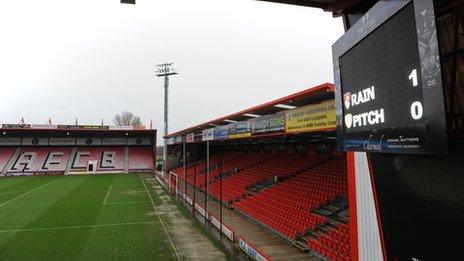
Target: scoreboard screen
[{"x": 389, "y": 95}]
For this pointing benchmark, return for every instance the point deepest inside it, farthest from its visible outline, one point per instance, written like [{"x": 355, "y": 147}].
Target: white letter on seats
[
  {"x": 25, "y": 159},
  {"x": 54, "y": 158},
  {"x": 78, "y": 162},
  {"x": 108, "y": 159}
]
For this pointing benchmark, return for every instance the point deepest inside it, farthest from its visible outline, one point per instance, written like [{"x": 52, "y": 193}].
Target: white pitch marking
[
  {"x": 107, "y": 194},
  {"x": 74, "y": 227},
  {"x": 26, "y": 193},
  {"x": 160, "y": 219}
]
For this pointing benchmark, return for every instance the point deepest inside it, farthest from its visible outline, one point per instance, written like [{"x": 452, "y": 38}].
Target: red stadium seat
[
  {"x": 95, "y": 154},
  {"x": 5, "y": 155},
  {"x": 33, "y": 160},
  {"x": 141, "y": 159},
  {"x": 286, "y": 207}
]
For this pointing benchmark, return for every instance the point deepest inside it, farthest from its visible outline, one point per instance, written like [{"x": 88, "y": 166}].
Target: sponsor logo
[
  {"x": 348, "y": 120},
  {"x": 251, "y": 252},
  {"x": 190, "y": 137},
  {"x": 371, "y": 145},
  {"x": 35, "y": 141},
  {"x": 347, "y": 100}
]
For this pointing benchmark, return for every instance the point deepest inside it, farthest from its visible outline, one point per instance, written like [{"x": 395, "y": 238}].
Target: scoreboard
[{"x": 389, "y": 95}]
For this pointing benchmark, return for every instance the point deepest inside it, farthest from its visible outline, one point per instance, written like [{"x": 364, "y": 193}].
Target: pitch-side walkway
[{"x": 272, "y": 245}]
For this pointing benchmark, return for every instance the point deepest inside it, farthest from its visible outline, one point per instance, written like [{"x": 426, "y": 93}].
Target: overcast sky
[{"x": 90, "y": 59}]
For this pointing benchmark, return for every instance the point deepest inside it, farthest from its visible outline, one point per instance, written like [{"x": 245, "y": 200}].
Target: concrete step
[
  {"x": 332, "y": 208},
  {"x": 332, "y": 221},
  {"x": 301, "y": 245},
  {"x": 344, "y": 219},
  {"x": 323, "y": 212},
  {"x": 323, "y": 228}
]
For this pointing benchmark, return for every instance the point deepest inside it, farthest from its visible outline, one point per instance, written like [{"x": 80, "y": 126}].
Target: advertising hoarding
[
  {"x": 274, "y": 123},
  {"x": 314, "y": 117}
]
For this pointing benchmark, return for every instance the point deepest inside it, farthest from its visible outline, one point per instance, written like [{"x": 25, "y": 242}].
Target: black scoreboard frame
[{"x": 432, "y": 136}]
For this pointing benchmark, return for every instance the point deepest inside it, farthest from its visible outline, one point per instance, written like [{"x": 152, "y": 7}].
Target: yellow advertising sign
[
  {"x": 309, "y": 118},
  {"x": 240, "y": 135}
]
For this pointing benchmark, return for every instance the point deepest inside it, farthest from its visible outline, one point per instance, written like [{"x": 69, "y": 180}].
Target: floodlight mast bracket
[{"x": 132, "y": 2}]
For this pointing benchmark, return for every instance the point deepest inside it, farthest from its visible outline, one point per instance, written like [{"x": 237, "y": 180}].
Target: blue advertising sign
[
  {"x": 240, "y": 129},
  {"x": 221, "y": 132}
]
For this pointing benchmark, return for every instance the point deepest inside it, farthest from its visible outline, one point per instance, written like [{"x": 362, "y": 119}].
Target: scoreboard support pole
[
  {"x": 366, "y": 240},
  {"x": 353, "y": 224}
]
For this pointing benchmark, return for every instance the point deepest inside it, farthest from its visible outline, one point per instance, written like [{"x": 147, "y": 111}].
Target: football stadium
[{"x": 369, "y": 167}]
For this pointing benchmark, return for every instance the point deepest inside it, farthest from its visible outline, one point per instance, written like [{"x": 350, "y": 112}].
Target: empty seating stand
[
  {"x": 41, "y": 160},
  {"x": 5, "y": 155},
  {"x": 84, "y": 155},
  {"x": 334, "y": 245},
  {"x": 141, "y": 159},
  {"x": 305, "y": 184},
  {"x": 281, "y": 166},
  {"x": 196, "y": 172},
  {"x": 286, "y": 208}
]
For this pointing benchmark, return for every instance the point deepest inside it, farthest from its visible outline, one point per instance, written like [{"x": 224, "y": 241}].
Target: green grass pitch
[{"x": 106, "y": 217}]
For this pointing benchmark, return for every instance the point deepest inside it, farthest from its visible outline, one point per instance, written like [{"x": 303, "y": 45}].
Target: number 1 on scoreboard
[
  {"x": 416, "y": 107},
  {"x": 413, "y": 78}
]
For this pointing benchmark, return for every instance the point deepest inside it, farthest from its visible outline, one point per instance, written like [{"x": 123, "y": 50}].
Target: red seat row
[
  {"x": 334, "y": 245},
  {"x": 141, "y": 158},
  {"x": 41, "y": 160},
  {"x": 196, "y": 172},
  {"x": 286, "y": 207},
  {"x": 281, "y": 165}
]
